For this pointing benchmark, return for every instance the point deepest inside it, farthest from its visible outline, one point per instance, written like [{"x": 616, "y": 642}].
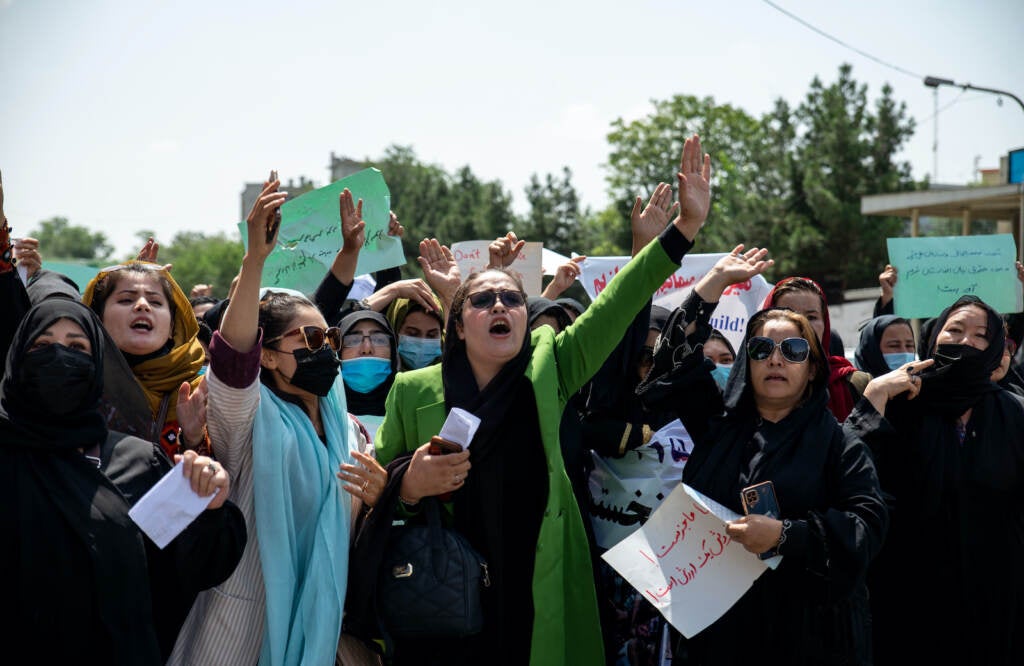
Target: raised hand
[
  {"x": 262, "y": 219},
  {"x": 191, "y": 411},
  {"x": 394, "y": 228},
  {"x": 353, "y": 228},
  {"x": 564, "y": 277},
  {"x": 652, "y": 220},
  {"x": 737, "y": 266},
  {"x": 440, "y": 269},
  {"x": 887, "y": 281},
  {"x": 694, "y": 179},
  {"x": 503, "y": 250},
  {"x": 200, "y": 290},
  {"x": 27, "y": 251}
]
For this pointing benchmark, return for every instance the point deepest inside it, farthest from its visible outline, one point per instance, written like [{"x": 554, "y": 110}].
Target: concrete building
[{"x": 339, "y": 168}]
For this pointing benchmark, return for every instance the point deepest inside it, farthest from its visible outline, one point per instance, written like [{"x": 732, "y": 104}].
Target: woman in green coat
[{"x": 511, "y": 497}]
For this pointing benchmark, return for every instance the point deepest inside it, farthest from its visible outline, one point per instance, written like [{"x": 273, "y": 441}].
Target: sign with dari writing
[
  {"x": 738, "y": 303},
  {"x": 683, "y": 562},
  {"x": 933, "y": 272}
]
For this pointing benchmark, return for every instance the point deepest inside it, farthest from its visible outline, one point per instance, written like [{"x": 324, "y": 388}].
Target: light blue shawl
[{"x": 302, "y": 519}]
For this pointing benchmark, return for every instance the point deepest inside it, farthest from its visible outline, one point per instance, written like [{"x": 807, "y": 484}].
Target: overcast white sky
[{"x": 130, "y": 115}]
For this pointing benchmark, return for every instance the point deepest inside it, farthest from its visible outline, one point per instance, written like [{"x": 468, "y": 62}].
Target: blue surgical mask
[
  {"x": 418, "y": 352},
  {"x": 721, "y": 374},
  {"x": 365, "y": 373},
  {"x": 898, "y": 360}
]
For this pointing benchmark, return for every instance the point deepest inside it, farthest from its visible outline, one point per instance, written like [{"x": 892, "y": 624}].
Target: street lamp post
[{"x": 935, "y": 82}]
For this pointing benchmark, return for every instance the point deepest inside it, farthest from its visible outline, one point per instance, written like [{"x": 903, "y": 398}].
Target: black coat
[{"x": 813, "y": 608}]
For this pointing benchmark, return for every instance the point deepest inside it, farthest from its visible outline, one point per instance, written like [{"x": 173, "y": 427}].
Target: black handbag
[{"x": 430, "y": 580}]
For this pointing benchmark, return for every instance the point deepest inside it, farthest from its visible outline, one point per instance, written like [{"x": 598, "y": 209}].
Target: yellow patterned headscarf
[
  {"x": 401, "y": 307},
  {"x": 163, "y": 375}
]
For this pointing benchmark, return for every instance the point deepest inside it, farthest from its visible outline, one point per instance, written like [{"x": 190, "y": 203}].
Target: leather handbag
[{"x": 430, "y": 581}]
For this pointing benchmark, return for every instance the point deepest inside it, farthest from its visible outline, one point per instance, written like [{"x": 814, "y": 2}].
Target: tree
[
  {"x": 59, "y": 239},
  {"x": 430, "y": 202},
  {"x": 554, "y": 216},
  {"x": 791, "y": 180},
  {"x": 842, "y": 152},
  {"x": 200, "y": 258},
  {"x": 645, "y": 152}
]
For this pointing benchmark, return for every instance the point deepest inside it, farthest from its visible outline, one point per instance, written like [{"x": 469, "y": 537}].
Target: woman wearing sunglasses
[
  {"x": 949, "y": 445},
  {"x": 773, "y": 424},
  {"x": 277, "y": 415},
  {"x": 511, "y": 496}
]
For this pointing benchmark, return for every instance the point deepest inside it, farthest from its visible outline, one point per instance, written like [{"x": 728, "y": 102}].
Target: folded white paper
[
  {"x": 169, "y": 507},
  {"x": 459, "y": 427}
]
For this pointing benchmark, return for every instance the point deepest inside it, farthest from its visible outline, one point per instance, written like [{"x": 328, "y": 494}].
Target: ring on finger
[
  {"x": 211, "y": 468},
  {"x": 365, "y": 485}
]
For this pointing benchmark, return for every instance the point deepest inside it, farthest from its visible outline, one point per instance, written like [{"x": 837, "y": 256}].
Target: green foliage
[
  {"x": 554, "y": 216},
  {"x": 200, "y": 258},
  {"x": 431, "y": 203},
  {"x": 790, "y": 181},
  {"x": 59, "y": 239}
]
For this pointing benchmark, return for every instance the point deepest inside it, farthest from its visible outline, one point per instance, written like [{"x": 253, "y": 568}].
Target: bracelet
[
  {"x": 183, "y": 442},
  {"x": 407, "y": 502},
  {"x": 786, "y": 524}
]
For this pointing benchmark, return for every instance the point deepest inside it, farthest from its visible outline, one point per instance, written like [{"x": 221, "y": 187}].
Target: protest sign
[
  {"x": 472, "y": 257},
  {"x": 738, "y": 302},
  {"x": 683, "y": 562},
  {"x": 310, "y": 234},
  {"x": 935, "y": 271},
  {"x": 625, "y": 491}
]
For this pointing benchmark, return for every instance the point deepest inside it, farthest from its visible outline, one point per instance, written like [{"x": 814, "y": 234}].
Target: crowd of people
[{"x": 311, "y": 421}]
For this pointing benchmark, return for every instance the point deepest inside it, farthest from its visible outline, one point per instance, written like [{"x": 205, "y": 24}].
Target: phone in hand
[
  {"x": 440, "y": 447},
  {"x": 276, "y": 222},
  {"x": 760, "y": 498}
]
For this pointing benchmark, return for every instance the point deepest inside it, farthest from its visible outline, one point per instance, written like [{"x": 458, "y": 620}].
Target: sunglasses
[
  {"x": 794, "y": 350},
  {"x": 483, "y": 300},
  {"x": 314, "y": 337},
  {"x": 353, "y": 340}
]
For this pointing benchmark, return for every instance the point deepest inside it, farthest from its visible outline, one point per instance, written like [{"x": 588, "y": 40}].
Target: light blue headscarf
[{"x": 302, "y": 519}]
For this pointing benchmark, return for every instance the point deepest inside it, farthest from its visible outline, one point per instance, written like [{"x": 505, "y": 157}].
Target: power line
[{"x": 841, "y": 42}]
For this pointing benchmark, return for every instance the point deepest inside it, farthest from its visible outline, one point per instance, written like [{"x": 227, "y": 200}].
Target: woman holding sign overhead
[
  {"x": 773, "y": 425},
  {"x": 278, "y": 419},
  {"x": 949, "y": 444},
  {"x": 511, "y": 496}
]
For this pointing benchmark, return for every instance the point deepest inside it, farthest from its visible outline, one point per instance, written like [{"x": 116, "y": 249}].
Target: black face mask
[
  {"x": 954, "y": 361},
  {"x": 315, "y": 371},
  {"x": 58, "y": 377}
]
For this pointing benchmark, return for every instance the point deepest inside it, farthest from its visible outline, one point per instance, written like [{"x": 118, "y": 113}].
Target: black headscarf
[
  {"x": 954, "y": 384},
  {"x": 496, "y": 512},
  {"x": 537, "y": 306},
  {"x": 373, "y": 402},
  {"x": 34, "y": 424},
  {"x": 869, "y": 356},
  {"x": 66, "y": 511}
]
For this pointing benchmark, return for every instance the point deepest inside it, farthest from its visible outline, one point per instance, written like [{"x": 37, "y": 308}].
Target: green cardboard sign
[
  {"x": 310, "y": 234},
  {"x": 935, "y": 271}
]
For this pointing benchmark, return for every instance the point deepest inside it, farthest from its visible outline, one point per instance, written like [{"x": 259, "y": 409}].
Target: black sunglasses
[
  {"x": 794, "y": 350},
  {"x": 482, "y": 300},
  {"x": 314, "y": 337}
]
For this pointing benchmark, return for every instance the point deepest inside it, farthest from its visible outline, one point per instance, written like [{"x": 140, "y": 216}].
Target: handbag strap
[{"x": 439, "y": 555}]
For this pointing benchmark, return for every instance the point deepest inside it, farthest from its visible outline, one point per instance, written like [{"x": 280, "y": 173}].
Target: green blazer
[{"x": 566, "y": 628}]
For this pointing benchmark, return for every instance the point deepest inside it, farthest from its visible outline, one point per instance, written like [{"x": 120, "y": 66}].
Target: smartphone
[
  {"x": 440, "y": 447},
  {"x": 760, "y": 498},
  {"x": 273, "y": 226}
]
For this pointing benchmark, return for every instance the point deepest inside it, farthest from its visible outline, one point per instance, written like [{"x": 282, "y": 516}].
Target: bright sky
[{"x": 126, "y": 115}]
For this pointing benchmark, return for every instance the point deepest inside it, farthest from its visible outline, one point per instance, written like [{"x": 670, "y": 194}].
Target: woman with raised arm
[
  {"x": 277, "y": 414},
  {"x": 773, "y": 424},
  {"x": 949, "y": 445},
  {"x": 511, "y": 496},
  {"x": 86, "y": 585}
]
